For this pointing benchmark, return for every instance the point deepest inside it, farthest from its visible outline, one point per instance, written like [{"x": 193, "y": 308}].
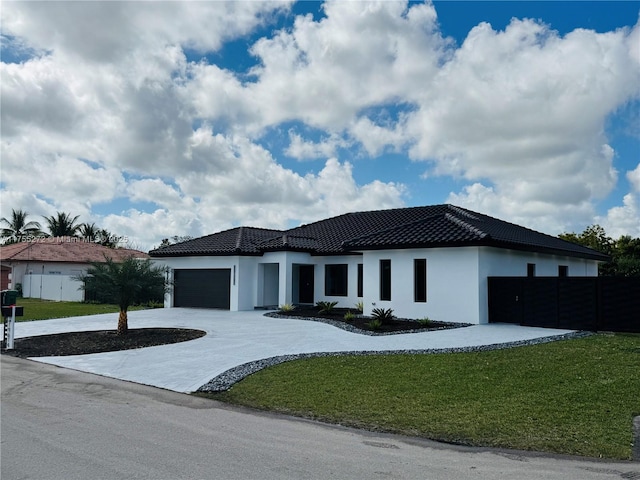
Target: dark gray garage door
[{"x": 206, "y": 288}]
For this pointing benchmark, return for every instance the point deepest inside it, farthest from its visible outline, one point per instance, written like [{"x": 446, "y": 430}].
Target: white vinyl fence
[{"x": 52, "y": 287}]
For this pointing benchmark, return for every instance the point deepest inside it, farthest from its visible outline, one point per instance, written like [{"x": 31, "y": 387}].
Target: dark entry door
[
  {"x": 204, "y": 288},
  {"x": 505, "y": 300},
  {"x": 306, "y": 284}
]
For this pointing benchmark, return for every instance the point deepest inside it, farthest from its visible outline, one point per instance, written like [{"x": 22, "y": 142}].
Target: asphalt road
[{"x": 63, "y": 424}]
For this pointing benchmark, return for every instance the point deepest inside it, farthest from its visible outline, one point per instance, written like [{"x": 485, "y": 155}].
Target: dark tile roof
[
  {"x": 415, "y": 227},
  {"x": 237, "y": 241}
]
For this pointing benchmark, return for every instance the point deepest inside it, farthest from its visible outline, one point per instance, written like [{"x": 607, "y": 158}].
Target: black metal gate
[{"x": 575, "y": 303}]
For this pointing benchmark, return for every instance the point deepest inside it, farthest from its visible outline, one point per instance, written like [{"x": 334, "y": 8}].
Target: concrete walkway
[{"x": 235, "y": 338}]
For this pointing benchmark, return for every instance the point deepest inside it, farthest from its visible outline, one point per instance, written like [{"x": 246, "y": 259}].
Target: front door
[{"x": 305, "y": 294}]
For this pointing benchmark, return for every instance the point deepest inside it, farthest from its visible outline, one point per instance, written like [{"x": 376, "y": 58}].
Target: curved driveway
[{"x": 235, "y": 338}]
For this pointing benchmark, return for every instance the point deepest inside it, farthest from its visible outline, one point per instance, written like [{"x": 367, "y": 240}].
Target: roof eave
[{"x": 233, "y": 253}]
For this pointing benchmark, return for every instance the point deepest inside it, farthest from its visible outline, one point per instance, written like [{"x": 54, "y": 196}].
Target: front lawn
[
  {"x": 36, "y": 309},
  {"x": 574, "y": 397}
]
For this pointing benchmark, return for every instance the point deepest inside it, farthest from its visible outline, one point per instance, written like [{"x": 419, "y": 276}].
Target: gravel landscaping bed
[
  {"x": 360, "y": 323},
  {"x": 227, "y": 379}
]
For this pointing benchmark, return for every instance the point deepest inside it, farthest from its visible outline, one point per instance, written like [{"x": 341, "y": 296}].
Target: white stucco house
[
  {"x": 47, "y": 267},
  {"x": 422, "y": 261}
]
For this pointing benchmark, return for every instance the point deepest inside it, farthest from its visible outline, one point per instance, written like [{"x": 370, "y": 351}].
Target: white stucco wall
[
  {"x": 452, "y": 293},
  {"x": 456, "y": 279},
  {"x": 20, "y": 269}
]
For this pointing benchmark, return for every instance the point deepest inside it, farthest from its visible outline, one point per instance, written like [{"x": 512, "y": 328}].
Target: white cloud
[
  {"x": 324, "y": 73},
  {"x": 624, "y": 219},
  {"x": 547, "y": 217},
  {"x": 302, "y": 149},
  {"x": 108, "y": 31},
  {"x": 634, "y": 178}
]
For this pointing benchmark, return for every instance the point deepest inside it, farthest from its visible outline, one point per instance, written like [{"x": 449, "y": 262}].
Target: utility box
[{"x": 9, "y": 297}]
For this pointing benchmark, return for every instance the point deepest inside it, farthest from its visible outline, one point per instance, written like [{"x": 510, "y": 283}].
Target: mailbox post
[{"x": 9, "y": 312}]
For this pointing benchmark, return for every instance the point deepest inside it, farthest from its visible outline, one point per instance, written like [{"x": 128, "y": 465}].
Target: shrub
[
  {"x": 154, "y": 304},
  {"x": 360, "y": 306},
  {"x": 287, "y": 307},
  {"x": 326, "y": 307},
  {"x": 375, "y": 324},
  {"x": 384, "y": 315},
  {"x": 425, "y": 322},
  {"x": 349, "y": 316}
]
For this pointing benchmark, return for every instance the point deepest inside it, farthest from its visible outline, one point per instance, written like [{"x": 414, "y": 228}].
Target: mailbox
[
  {"x": 10, "y": 311},
  {"x": 9, "y": 297}
]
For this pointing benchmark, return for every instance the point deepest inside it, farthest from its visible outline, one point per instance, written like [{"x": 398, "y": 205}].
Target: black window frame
[
  {"x": 336, "y": 279},
  {"x": 385, "y": 280},
  {"x": 563, "y": 271},
  {"x": 360, "y": 280},
  {"x": 420, "y": 280}
]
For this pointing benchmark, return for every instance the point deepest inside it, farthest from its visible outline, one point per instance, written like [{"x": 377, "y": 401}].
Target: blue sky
[{"x": 155, "y": 119}]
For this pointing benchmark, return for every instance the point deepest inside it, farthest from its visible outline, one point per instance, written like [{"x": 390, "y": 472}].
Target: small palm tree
[
  {"x": 18, "y": 226},
  {"x": 63, "y": 225},
  {"x": 130, "y": 282}
]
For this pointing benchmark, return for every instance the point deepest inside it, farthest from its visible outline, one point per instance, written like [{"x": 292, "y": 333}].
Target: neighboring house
[
  {"x": 423, "y": 261},
  {"x": 45, "y": 267}
]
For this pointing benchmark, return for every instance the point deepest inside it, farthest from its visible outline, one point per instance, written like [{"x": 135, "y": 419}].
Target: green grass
[
  {"x": 36, "y": 309},
  {"x": 574, "y": 397}
]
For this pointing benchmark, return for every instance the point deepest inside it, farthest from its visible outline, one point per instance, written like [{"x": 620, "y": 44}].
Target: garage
[{"x": 203, "y": 288}]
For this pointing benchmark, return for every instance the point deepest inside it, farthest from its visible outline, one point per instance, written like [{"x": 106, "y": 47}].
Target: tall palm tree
[
  {"x": 18, "y": 227},
  {"x": 89, "y": 232},
  {"x": 127, "y": 283},
  {"x": 62, "y": 225},
  {"x": 106, "y": 238}
]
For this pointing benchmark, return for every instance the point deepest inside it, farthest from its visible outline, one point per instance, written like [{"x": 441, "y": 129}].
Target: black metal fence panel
[
  {"x": 619, "y": 304},
  {"x": 576, "y": 303}
]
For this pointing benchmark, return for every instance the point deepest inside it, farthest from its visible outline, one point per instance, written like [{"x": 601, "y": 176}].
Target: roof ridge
[
  {"x": 239, "y": 239},
  {"x": 461, "y": 223},
  {"x": 464, "y": 212}
]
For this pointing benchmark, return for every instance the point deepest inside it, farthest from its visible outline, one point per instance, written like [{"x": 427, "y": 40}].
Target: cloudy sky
[{"x": 155, "y": 119}]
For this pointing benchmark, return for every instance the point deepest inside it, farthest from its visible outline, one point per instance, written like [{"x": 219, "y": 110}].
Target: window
[
  {"x": 531, "y": 269},
  {"x": 335, "y": 280},
  {"x": 563, "y": 270},
  {"x": 385, "y": 279},
  {"x": 360, "y": 279},
  {"x": 420, "y": 280}
]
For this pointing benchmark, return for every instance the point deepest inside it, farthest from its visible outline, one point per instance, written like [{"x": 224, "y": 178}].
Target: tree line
[
  {"x": 624, "y": 252},
  {"x": 18, "y": 229}
]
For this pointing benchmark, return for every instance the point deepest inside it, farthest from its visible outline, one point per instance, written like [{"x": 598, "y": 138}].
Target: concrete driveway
[{"x": 235, "y": 338}]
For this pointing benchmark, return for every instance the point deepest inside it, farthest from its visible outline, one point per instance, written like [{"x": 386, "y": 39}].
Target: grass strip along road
[
  {"x": 573, "y": 397},
  {"x": 36, "y": 309}
]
